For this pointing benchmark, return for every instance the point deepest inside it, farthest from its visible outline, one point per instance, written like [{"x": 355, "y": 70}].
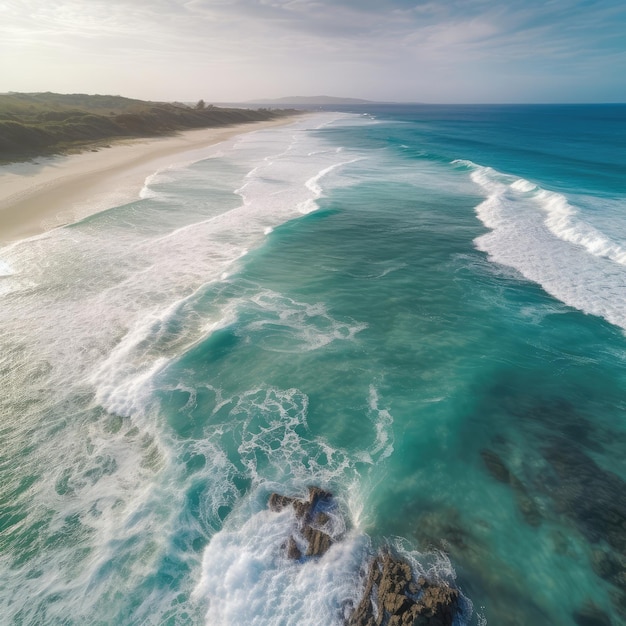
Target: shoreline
[{"x": 50, "y": 192}]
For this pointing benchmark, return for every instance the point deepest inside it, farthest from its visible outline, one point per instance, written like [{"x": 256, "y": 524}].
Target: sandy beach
[{"x": 52, "y": 191}]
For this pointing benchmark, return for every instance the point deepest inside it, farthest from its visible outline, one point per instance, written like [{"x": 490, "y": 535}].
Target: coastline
[{"x": 49, "y": 192}]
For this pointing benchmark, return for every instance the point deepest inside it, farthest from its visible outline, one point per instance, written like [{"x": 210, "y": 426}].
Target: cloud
[{"x": 351, "y": 43}]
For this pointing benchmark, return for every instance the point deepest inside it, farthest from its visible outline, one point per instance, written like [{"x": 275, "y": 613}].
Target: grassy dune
[{"x": 37, "y": 124}]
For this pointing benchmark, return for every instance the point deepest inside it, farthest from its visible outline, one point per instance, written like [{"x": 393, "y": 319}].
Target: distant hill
[
  {"x": 313, "y": 101},
  {"x": 34, "y": 124}
]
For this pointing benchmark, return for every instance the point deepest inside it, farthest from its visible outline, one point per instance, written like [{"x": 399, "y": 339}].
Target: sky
[{"x": 446, "y": 51}]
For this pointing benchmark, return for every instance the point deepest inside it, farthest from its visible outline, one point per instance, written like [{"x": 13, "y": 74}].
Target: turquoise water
[{"x": 421, "y": 309}]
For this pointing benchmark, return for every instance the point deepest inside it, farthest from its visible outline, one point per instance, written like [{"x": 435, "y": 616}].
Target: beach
[
  {"x": 48, "y": 192},
  {"x": 420, "y": 310}
]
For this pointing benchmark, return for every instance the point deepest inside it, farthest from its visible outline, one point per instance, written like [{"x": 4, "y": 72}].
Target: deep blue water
[{"x": 421, "y": 308}]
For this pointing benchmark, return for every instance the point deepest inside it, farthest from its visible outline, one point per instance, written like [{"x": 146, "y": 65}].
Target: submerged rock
[
  {"x": 594, "y": 498},
  {"x": 591, "y": 615},
  {"x": 609, "y": 566},
  {"x": 618, "y": 598},
  {"x": 481, "y": 572},
  {"x": 443, "y": 529},
  {"x": 495, "y": 465},
  {"x": 497, "y": 468},
  {"x": 393, "y": 598}
]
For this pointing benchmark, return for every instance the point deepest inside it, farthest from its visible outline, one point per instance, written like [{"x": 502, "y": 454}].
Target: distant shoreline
[
  {"x": 44, "y": 124},
  {"x": 49, "y": 192}
]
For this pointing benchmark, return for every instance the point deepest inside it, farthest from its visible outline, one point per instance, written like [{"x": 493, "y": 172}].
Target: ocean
[{"x": 421, "y": 309}]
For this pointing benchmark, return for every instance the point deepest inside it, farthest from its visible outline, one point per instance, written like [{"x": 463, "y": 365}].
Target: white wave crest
[{"x": 540, "y": 234}]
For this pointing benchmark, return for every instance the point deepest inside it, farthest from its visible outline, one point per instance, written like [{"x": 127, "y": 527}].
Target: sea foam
[
  {"x": 107, "y": 305},
  {"x": 247, "y": 578},
  {"x": 540, "y": 234}
]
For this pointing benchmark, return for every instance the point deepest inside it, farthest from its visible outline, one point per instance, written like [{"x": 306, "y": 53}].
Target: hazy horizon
[{"x": 478, "y": 51}]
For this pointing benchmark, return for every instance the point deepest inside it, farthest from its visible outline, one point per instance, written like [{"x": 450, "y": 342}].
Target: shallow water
[{"x": 421, "y": 309}]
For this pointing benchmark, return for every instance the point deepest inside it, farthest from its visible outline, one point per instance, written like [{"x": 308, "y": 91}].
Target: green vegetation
[{"x": 37, "y": 124}]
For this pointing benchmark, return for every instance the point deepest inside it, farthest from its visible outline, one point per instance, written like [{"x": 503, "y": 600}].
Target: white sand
[{"x": 52, "y": 191}]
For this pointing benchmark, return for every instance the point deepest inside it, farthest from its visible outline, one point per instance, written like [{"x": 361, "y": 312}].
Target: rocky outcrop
[
  {"x": 393, "y": 598},
  {"x": 293, "y": 552},
  {"x": 313, "y": 522},
  {"x": 392, "y": 595}
]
